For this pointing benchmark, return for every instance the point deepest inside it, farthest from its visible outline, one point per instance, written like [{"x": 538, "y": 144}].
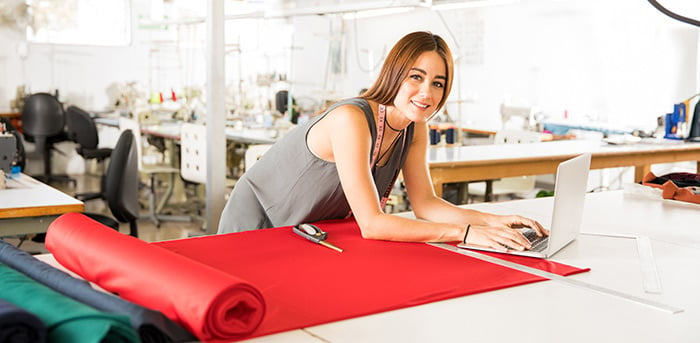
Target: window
[{"x": 83, "y": 22}]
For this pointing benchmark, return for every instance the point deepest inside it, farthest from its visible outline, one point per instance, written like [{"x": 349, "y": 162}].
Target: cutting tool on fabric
[{"x": 314, "y": 234}]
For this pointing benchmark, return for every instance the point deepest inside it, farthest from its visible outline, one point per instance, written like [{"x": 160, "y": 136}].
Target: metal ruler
[
  {"x": 651, "y": 281},
  {"x": 559, "y": 278}
]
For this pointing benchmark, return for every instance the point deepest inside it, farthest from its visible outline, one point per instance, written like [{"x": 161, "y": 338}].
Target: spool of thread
[
  {"x": 450, "y": 135},
  {"x": 434, "y": 136}
]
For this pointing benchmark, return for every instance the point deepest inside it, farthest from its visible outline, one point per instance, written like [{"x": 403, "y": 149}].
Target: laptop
[{"x": 569, "y": 197}]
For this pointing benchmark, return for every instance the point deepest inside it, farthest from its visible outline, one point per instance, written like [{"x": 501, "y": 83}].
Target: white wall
[
  {"x": 82, "y": 74},
  {"x": 614, "y": 61},
  {"x": 617, "y": 61}
]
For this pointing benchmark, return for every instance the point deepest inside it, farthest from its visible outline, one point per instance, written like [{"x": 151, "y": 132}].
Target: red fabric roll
[
  {"x": 307, "y": 284},
  {"x": 213, "y": 305}
]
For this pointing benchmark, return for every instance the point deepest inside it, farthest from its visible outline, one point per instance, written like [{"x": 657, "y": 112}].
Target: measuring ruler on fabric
[{"x": 559, "y": 278}]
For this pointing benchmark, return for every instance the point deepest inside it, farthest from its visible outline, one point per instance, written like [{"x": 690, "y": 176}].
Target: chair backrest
[
  {"x": 122, "y": 179},
  {"x": 81, "y": 128},
  {"x": 133, "y": 125},
  {"x": 694, "y": 132},
  {"x": 281, "y": 100},
  {"x": 193, "y": 152},
  {"x": 42, "y": 115},
  {"x": 253, "y": 154}
]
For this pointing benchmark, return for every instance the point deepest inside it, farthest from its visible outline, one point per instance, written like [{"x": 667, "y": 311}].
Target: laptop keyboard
[{"x": 538, "y": 243}]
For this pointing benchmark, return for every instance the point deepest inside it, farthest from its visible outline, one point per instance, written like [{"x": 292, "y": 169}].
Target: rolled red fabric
[{"x": 213, "y": 305}]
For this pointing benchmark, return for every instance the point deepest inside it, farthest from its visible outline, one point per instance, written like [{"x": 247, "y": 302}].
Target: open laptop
[{"x": 569, "y": 197}]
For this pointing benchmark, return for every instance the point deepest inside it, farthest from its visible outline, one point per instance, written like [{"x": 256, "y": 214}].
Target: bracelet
[{"x": 464, "y": 240}]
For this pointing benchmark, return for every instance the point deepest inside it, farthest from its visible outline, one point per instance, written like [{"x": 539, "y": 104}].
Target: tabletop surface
[
  {"x": 560, "y": 312},
  {"x": 26, "y": 197},
  {"x": 171, "y": 130},
  {"x": 491, "y": 152}
]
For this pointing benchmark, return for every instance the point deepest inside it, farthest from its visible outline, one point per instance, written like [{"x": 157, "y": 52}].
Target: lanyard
[{"x": 381, "y": 117}]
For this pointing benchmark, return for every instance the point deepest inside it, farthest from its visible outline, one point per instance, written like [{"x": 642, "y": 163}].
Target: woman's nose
[{"x": 424, "y": 90}]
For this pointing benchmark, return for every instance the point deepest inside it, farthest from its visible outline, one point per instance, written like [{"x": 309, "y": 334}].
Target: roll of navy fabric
[
  {"x": 368, "y": 277},
  {"x": 66, "y": 319},
  {"x": 18, "y": 325},
  {"x": 152, "y": 326},
  {"x": 210, "y": 303}
]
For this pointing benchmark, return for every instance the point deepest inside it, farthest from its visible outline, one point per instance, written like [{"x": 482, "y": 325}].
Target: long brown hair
[{"x": 399, "y": 62}]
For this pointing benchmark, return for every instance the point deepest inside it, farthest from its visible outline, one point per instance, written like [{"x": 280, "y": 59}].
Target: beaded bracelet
[{"x": 464, "y": 240}]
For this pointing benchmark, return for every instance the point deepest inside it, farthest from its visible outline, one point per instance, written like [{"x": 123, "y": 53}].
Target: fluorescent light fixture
[
  {"x": 377, "y": 12},
  {"x": 363, "y": 9},
  {"x": 446, "y": 6}
]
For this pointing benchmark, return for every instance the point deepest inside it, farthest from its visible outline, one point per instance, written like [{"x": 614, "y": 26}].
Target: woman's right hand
[{"x": 499, "y": 238}]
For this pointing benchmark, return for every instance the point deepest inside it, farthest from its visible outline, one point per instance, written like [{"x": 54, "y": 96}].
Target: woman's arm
[
  {"x": 343, "y": 137},
  {"x": 489, "y": 229},
  {"x": 426, "y": 205}
]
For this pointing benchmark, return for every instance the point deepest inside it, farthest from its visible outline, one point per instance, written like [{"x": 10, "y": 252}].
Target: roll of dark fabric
[
  {"x": 66, "y": 320},
  {"x": 18, "y": 325},
  {"x": 151, "y": 325}
]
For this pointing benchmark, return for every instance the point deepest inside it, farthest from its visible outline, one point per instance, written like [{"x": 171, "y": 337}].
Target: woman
[{"x": 345, "y": 161}]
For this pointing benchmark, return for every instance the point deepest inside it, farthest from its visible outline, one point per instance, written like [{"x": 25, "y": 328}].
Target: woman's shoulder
[
  {"x": 353, "y": 105},
  {"x": 352, "y": 109}
]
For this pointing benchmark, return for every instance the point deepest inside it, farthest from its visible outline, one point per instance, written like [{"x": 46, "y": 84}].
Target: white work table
[
  {"x": 557, "y": 311},
  {"x": 171, "y": 130}
]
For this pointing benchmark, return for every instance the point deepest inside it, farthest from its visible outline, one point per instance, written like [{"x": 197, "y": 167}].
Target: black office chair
[
  {"x": 694, "y": 133},
  {"x": 122, "y": 185},
  {"x": 43, "y": 124},
  {"x": 281, "y": 105},
  {"x": 81, "y": 129}
]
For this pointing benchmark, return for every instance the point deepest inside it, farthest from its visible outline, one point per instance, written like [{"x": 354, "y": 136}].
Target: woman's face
[{"x": 423, "y": 88}]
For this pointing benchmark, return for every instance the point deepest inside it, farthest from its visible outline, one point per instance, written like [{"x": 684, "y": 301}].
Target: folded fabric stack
[
  {"x": 18, "y": 325},
  {"x": 65, "y": 319},
  {"x": 676, "y": 186}
]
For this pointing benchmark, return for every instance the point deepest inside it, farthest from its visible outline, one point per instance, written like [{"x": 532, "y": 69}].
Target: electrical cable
[{"x": 674, "y": 15}]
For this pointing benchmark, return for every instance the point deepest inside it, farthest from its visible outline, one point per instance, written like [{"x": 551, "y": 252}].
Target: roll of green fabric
[{"x": 66, "y": 319}]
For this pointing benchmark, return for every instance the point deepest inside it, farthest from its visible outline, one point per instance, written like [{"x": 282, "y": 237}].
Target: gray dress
[{"x": 290, "y": 185}]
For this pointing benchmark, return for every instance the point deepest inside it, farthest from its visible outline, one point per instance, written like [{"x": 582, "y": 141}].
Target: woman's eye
[
  {"x": 416, "y": 77},
  {"x": 438, "y": 84}
]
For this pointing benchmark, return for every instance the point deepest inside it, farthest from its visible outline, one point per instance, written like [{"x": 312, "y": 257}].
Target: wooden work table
[
  {"x": 14, "y": 117},
  {"x": 484, "y": 162}
]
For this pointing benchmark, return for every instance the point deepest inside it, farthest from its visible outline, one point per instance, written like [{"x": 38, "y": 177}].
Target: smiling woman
[{"x": 343, "y": 162}]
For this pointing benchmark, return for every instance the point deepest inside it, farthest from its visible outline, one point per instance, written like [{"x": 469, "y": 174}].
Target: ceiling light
[
  {"x": 445, "y": 6},
  {"x": 376, "y": 12}
]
